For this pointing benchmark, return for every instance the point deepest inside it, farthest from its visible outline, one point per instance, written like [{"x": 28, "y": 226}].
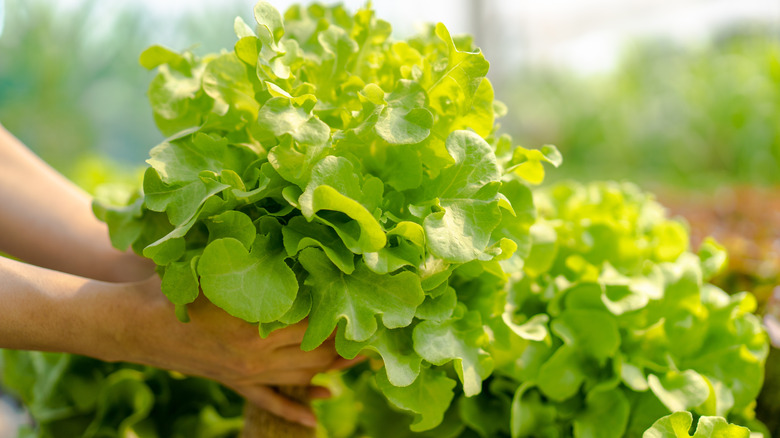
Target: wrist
[
  {"x": 130, "y": 317},
  {"x": 106, "y": 320},
  {"x": 58, "y": 312},
  {"x": 123, "y": 267}
]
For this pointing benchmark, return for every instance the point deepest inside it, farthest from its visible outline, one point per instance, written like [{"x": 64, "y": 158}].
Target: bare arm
[
  {"x": 47, "y": 221},
  {"x": 52, "y": 311}
]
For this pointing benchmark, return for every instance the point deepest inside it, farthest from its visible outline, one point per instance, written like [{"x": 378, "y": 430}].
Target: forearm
[
  {"x": 47, "y": 221},
  {"x": 46, "y": 310}
]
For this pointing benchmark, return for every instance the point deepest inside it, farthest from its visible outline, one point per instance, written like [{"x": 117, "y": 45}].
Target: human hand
[
  {"x": 134, "y": 322},
  {"x": 220, "y": 347}
]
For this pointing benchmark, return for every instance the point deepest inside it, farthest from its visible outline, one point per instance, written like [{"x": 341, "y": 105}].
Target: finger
[
  {"x": 275, "y": 403},
  {"x": 290, "y": 335},
  {"x": 293, "y": 358},
  {"x": 341, "y": 363},
  {"x": 290, "y": 378},
  {"x": 319, "y": 393}
]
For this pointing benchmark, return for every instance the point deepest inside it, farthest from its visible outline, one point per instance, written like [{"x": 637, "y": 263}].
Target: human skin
[{"x": 74, "y": 293}]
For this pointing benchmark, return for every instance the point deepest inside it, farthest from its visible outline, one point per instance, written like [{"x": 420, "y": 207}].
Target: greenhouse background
[{"x": 680, "y": 97}]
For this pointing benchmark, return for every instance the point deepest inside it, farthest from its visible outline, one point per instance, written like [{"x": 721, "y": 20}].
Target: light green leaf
[
  {"x": 713, "y": 257},
  {"x": 527, "y": 163},
  {"x": 248, "y": 47},
  {"x": 439, "y": 308},
  {"x": 295, "y": 161},
  {"x": 357, "y": 298},
  {"x": 456, "y": 340},
  {"x": 124, "y": 222},
  {"x": 678, "y": 424},
  {"x": 405, "y": 247},
  {"x": 181, "y": 161},
  {"x": 720, "y": 428},
  {"x": 180, "y": 285},
  {"x": 486, "y": 413},
  {"x": 551, "y": 155},
  {"x": 157, "y": 55},
  {"x": 402, "y": 363},
  {"x": 233, "y": 224},
  {"x": 256, "y": 286},
  {"x": 461, "y": 232},
  {"x": 338, "y": 47},
  {"x": 299, "y": 310},
  {"x": 544, "y": 249},
  {"x": 679, "y": 391},
  {"x": 242, "y": 29},
  {"x": 561, "y": 376},
  {"x": 672, "y": 238},
  {"x": 410, "y": 231},
  {"x": 428, "y": 397},
  {"x": 171, "y": 246},
  {"x": 467, "y": 194},
  {"x": 621, "y": 299},
  {"x": 633, "y": 376},
  {"x": 269, "y": 185},
  {"x": 177, "y": 101},
  {"x": 534, "y": 329},
  {"x": 605, "y": 416},
  {"x": 481, "y": 117},
  {"x": 530, "y": 414},
  {"x": 300, "y": 234},
  {"x": 180, "y": 203},
  {"x": 398, "y": 166},
  {"x": 180, "y": 282},
  {"x": 269, "y": 18},
  {"x": 336, "y": 187},
  {"x": 405, "y": 120},
  {"x": 675, "y": 425},
  {"x": 279, "y": 117},
  {"x": 474, "y": 167},
  {"x": 167, "y": 249},
  {"x": 452, "y": 89},
  {"x": 517, "y": 216},
  {"x": 227, "y": 81},
  {"x": 593, "y": 333}
]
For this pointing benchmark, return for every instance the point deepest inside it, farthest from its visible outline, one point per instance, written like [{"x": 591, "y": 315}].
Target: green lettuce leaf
[
  {"x": 357, "y": 299},
  {"x": 457, "y": 340},
  {"x": 428, "y": 397},
  {"x": 255, "y": 286},
  {"x": 678, "y": 424}
]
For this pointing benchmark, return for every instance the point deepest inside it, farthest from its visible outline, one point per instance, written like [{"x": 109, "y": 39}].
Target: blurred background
[
  {"x": 666, "y": 93},
  {"x": 679, "y": 96}
]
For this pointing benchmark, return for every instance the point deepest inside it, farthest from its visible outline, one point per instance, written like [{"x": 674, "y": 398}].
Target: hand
[
  {"x": 47, "y": 310},
  {"x": 218, "y": 346}
]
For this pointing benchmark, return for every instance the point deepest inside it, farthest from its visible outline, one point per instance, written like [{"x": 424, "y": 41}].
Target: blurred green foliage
[
  {"x": 71, "y": 87},
  {"x": 65, "y": 93},
  {"x": 668, "y": 115}
]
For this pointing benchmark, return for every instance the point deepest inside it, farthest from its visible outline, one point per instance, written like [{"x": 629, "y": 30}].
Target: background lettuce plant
[{"x": 634, "y": 326}]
